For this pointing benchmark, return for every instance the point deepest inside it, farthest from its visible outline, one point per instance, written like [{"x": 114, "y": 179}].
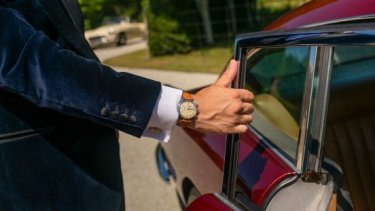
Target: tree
[
  {"x": 232, "y": 14},
  {"x": 164, "y": 33},
  {"x": 204, "y": 10},
  {"x": 94, "y": 11}
]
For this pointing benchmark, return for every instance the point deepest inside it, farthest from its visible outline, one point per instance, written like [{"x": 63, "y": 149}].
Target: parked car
[
  {"x": 311, "y": 145},
  {"x": 115, "y": 30}
]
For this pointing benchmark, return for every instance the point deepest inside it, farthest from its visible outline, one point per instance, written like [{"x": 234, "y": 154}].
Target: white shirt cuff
[{"x": 164, "y": 116}]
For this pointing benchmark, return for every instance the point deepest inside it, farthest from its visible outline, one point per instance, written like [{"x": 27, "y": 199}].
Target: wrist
[{"x": 187, "y": 110}]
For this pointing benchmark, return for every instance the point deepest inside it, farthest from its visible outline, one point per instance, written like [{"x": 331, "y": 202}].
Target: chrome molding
[
  {"x": 306, "y": 111},
  {"x": 314, "y": 109},
  {"x": 321, "y": 105}
]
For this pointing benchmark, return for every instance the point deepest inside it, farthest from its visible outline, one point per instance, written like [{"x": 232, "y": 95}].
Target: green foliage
[
  {"x": 95, "y": 11},
  {"x": 165, "y": 38}
]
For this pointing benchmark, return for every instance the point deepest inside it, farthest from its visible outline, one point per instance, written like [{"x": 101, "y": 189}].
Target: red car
[{"x": 311, "y": 145}]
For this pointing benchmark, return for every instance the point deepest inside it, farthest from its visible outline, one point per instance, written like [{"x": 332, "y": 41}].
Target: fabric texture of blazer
[{"x": 53, "y": 88}]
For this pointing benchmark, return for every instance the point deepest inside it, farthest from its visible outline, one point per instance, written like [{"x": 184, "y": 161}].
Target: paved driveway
[{"x": 144, "y": 189}]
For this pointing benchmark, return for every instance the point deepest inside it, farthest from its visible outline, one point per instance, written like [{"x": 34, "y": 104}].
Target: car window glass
[
  {"x": 349, "y": 136},
  {"x": 276, "y": 76}
]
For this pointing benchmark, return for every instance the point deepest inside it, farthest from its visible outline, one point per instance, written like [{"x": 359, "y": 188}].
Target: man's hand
[{"x": 223, "y": 109}]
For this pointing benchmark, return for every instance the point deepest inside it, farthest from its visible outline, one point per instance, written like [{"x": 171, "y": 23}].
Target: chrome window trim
[
  {"x": 350, "y": 34},
  {"x": 307, "y": 100},
  {"x": 319, "y": 115}
]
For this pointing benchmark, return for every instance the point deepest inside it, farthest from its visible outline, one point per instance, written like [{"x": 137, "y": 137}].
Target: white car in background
[{"x": 115, "y": 30}]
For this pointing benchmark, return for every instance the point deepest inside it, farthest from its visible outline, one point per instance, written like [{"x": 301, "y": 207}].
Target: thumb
[{"x": 229, "y": 74}]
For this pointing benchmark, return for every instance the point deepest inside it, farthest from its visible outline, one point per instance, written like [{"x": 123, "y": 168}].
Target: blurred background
[
  {"x": 185, "y": 44},
  {"x": 180, "y": 35}
]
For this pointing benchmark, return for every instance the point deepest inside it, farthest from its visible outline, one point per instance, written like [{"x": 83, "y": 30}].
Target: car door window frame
[
  {"x": 314, "y": 101},
  {"x": 314, "y": 107},
  {"x": 313, "y": 112}
]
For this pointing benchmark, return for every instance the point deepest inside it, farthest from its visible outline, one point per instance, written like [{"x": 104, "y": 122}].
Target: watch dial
[{"x": 188, "y": 110}]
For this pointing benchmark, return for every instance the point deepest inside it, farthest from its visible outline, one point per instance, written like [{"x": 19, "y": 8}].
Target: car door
[{"x": 311, "y": 143}]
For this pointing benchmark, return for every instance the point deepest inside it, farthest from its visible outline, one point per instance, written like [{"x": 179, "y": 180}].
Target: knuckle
[
  {"x": 236, "y": 94},
  {"x": 223, "y": 129},
  {"x": 248, "y": 95}
]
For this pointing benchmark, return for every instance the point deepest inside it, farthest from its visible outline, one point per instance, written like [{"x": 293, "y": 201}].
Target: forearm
[{"x": 39, "y": 70}]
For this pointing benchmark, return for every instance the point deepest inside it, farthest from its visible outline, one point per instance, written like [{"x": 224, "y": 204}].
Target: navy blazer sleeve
[{"x": 40, "y": 70}]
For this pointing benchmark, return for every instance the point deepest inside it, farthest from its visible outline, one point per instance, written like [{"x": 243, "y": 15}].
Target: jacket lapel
[{"x": 59, "y": 11}]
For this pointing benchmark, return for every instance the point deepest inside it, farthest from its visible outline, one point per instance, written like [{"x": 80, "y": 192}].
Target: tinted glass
[
  {"x": 277, "y": 77},
  {"x": 350, "y": 130}
]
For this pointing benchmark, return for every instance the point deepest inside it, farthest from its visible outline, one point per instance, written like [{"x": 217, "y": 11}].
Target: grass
[
  {"x": 210, "y": 60},
  {"x": 277, "y": 5}
]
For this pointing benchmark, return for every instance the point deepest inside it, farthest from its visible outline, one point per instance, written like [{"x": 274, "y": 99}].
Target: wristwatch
[{"x": 187, "y": 110}]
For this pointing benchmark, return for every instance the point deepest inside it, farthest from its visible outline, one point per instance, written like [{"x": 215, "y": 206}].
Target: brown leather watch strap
[
  {"x": 187, "y": 96},
  {"x": 184, "y": 122}
]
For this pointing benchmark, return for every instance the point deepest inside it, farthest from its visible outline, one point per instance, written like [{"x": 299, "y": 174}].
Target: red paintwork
[
  {"x": 188, "y": 155},
  {"x": 208, "y": 202},
  {"x": 275, "y": 169},
  {"x": 213, "y": 145},
  {"x": 321, "y": 11}
]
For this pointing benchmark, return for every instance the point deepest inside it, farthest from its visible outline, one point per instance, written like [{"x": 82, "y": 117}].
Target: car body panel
[
  {"x": 210, "y": 151},
  {"x": 259, "y": 168},
  {"x": 322, "y": 11},
  {"x": 211, "y": 202}
]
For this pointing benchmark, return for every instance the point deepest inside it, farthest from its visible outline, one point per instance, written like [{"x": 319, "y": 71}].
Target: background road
[{"x": 144, "y": 189}]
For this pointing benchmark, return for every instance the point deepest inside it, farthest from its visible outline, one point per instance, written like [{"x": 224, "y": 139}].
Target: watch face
[{"x": 188, "y": 110}]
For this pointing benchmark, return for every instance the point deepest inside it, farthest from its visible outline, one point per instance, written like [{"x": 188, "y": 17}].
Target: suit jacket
[
  {"x": 52, "y": 82},
  {"x": 66, "y": 77}
]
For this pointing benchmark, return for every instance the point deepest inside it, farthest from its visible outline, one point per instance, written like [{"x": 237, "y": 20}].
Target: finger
[
  {"x": 245, "y": 119},
  {"x": 247, "y": 108},
  {"x": 239, "y": 129},
  {"x": 228, "y": 76},
  {"x": 246, "y": 96}
]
